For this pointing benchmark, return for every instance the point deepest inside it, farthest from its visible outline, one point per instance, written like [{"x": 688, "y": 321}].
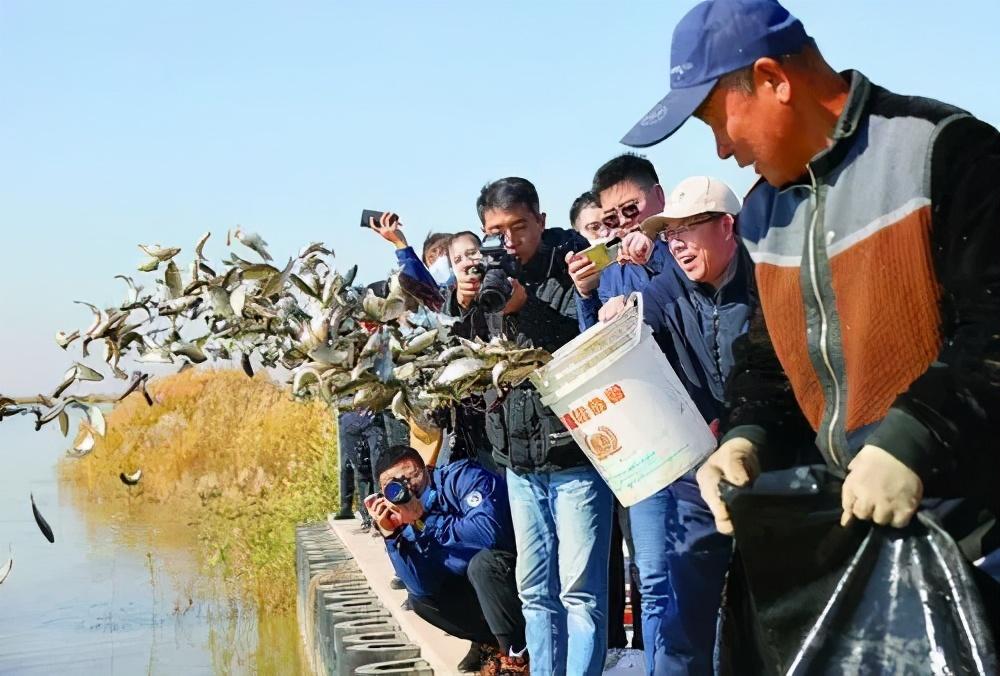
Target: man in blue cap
[{"x": 874, "y": 237}]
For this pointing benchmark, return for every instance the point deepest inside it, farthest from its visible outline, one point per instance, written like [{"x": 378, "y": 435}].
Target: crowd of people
[{"x": 846, "y": 312}]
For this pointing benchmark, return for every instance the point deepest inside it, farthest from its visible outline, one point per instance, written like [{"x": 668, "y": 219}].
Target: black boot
[{"x": 473, "y": 659}]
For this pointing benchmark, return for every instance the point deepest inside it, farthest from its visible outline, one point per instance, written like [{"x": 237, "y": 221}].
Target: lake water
[{"x": 120, "y": 591}]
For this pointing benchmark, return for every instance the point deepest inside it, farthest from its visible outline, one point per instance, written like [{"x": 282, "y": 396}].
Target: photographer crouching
[
  {"x": 560, "y": 507},
  {"x": 449, "y": 536}
]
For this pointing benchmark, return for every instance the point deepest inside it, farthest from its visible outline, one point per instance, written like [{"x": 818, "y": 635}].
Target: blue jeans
[
  {"x": 682, "y": 563},
  {"x": 562, "y": 525}
]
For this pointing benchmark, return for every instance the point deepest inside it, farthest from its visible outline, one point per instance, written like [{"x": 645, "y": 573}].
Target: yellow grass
[{"x": 236, "y": 457}]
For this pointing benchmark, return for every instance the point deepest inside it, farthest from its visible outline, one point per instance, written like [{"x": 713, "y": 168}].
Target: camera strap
[{"x": 494, "y": 324}]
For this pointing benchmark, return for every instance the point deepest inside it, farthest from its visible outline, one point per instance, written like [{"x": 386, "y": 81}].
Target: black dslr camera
[
  {"x": 495, "y": 269},
  {"x": 397, "y": 492}
]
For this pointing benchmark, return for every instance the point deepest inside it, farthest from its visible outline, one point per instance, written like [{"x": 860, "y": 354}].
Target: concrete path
[{"x": 442, "y": 651}]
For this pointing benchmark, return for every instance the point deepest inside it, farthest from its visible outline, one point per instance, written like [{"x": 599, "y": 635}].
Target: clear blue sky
[{"x": 127, "y": 122}]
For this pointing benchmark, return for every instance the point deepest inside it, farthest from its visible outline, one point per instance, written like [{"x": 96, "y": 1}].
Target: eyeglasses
[
  {"x": 472, "y": 255},
  {"x": 676, "y": 231},
  {"x": 595, "y": 228},
  {"x": 628, "y": 211}
]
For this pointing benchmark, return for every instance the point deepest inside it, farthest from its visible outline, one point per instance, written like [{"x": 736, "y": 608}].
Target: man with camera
[
  {"x": 468, "y": 424},
  {"x": 560, "y": 507},
  {"x": 449, "y": 536}
]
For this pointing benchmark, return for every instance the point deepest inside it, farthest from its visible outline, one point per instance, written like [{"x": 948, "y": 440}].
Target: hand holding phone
[
  {"x": 370, "y": 215},
  {"x": 383, "y": 513},
  {"x": 386, "y": 224}
]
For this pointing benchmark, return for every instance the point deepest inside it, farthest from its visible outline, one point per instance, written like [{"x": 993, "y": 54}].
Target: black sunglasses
[{"x": 628, "y": 212}]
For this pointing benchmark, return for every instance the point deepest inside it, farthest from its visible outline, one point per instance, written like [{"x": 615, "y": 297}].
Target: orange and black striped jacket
[{"x": 879, "y": 281}]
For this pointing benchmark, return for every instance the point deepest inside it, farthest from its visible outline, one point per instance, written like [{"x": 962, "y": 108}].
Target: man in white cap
[{"x": 696, "y": 308}]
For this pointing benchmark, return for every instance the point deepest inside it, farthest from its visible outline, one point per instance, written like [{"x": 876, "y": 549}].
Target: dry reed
[{"x": 236, "y": 457}]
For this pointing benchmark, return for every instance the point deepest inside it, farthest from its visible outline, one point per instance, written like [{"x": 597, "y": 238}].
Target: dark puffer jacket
[{"x": 527, "y": 436}]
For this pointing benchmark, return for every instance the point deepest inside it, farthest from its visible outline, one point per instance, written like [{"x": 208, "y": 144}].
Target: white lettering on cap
[{"x": 654, "y": 116}]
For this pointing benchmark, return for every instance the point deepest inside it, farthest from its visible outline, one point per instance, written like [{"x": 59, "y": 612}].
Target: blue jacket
[
  {"x": 421, "y": 284},
  {"x": 621, "y": 279},
  {"x": 695, "y": 326},
  {"x": 465, "y": 511}
]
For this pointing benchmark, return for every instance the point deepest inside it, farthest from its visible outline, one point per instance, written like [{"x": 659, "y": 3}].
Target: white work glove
[
  {"x": 736, "y": 462},
  {"x": 880, "y": 488}
]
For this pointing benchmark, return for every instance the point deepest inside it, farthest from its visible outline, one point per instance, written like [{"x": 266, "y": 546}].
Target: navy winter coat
[{"x": 695, "y": 326}]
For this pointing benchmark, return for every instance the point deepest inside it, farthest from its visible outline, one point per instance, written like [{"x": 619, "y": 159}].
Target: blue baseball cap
[{"x": 715, "y": 38}]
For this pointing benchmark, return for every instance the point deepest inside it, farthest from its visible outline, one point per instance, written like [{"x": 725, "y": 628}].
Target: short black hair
[
  {"x": 506, "y": 193},
  {"x": 393, "y": 456},
  {"x": 625, "y": 167},
  {"x": 433, "y": 239},
  {"x": 580, "y": 203}
]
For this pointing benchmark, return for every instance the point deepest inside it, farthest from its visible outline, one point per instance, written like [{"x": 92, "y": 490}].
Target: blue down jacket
[{"x": 465, "y": 511}]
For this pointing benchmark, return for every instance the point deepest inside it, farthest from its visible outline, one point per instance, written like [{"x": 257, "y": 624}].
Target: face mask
[{"x": 441, "y": 272}]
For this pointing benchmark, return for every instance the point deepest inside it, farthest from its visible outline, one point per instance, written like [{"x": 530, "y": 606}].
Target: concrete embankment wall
[{"x": 345, "y": 628}]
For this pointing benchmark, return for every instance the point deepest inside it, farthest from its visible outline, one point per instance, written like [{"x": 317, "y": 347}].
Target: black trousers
[
  {"x": 481, "y": 607},
  {"x": 359, "y": 440},
  {"x": 621, "y": 530}
]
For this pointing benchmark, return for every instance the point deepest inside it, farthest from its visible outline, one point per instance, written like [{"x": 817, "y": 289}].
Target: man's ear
[
  {"x": 657, "y": 194},
  {"x": 729, "y": 226},
  {"x": 770, "y": 75},
  {"x": 541, "y": 219}
]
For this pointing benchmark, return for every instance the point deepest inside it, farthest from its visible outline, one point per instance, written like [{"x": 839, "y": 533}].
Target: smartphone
[
  {"x": 370, "y": 500},
  {"x": 604, "y": 253},
  {"x": 369, "y": 213},
  {"x": 393, "y": 517}
]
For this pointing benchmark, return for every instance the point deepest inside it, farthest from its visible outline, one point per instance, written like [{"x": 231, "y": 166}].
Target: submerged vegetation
[{"x": 236, "y": 458}]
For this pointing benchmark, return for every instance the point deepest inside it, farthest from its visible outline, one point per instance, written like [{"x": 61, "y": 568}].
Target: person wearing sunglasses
[
  {"x": 697, "y": 308},
  {"x": 628, "y": 192}
]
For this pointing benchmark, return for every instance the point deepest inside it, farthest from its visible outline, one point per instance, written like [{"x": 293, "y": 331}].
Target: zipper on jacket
[
  {"x": 824, "y": 327},
  {"x": 715, "y": 342}
]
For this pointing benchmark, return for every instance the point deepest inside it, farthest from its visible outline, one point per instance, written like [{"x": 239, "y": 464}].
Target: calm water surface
[{"x": 120, "y": 591}]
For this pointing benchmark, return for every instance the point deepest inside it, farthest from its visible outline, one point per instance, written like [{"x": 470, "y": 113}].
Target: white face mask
[{"x": 441, "y": 271}]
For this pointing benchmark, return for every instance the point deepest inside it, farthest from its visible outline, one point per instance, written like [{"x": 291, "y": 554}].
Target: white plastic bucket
[{"x": 617, "y": 394}]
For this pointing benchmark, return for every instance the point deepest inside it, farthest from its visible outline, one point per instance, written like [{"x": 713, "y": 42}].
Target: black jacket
[{"x": 527, "y": 436}]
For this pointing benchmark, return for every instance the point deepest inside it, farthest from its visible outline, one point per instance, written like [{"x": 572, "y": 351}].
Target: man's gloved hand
[
  {"x": 880, "y": 488},
  {"x": 584, "y": 273},
  {"x": 736, "y": 462},
  {"x": 636, "y": 247}
]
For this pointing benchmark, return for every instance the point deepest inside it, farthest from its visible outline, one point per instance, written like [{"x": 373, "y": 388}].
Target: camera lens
[
  {"x": 396, "y": 492},
  {"x": 495, "y": 291}
]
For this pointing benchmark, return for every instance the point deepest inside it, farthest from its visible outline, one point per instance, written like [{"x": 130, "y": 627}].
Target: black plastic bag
[{"x": 807, "y": 596}]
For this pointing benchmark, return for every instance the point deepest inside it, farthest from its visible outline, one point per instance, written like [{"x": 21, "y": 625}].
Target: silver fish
[
  {"x": 7, "y": 567},
  {"x": 252, "y": 240},
  {"x": 131, "y": 479}
]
